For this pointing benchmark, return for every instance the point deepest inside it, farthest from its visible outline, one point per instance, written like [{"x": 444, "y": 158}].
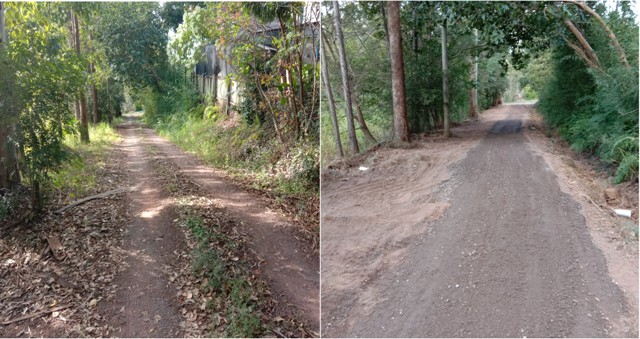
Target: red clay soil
[
  {"x": 289, "y": 263},
  {"x": 145, "y": 303},
  {"x": 476, "y": 238},
  {"x": 127, "y": 270}
]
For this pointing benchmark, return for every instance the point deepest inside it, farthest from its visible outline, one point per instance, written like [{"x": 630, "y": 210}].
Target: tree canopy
[{"x": 594, "y": 42}]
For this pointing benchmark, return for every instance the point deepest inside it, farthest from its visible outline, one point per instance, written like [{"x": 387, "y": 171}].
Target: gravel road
[{"x": 510, "y": 257}]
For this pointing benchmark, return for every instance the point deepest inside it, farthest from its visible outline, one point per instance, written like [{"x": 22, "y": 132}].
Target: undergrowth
[
  {"x": 596, "y": 111},
  {"x": 7, "y": 205},
  {"x": 239, "y": 303},
  {"x": 247, "y": 152},
  {"x": 233, "y": 291},
  {"x": 77, "y": 176}
]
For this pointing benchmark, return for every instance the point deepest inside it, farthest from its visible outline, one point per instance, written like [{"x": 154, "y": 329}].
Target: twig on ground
[
  {"x": 34, "y": 315},
  {"x": 97, "y": 196}
]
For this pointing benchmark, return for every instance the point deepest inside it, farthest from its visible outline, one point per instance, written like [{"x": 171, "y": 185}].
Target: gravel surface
[{"x": 510, "y": 257}]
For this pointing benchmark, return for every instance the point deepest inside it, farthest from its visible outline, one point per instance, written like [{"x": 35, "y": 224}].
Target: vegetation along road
[
  {"x": 479, "y": 169},
  {"x": 158, "y": 170}
]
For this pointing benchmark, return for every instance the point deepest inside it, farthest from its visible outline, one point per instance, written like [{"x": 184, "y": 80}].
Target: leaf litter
[
  {"x": 59, "y": 297},
  {"x": 209, "y": 293},
  {"x": 62, "y": 294}
]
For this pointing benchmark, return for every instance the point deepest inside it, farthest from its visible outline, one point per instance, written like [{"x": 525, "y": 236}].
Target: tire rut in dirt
[
  {"x": 510, "y": 257},
  {"x": 289, "y": 264},
  {"x": 145, "y": 304}
]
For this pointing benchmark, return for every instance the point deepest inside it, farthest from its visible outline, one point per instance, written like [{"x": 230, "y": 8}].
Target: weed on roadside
[
  {"x": 288, "y": 171},
  {"x": 236, "y": 300},
  {"x": 78, "y": 176},
  {"x": 240, "y": 306}
]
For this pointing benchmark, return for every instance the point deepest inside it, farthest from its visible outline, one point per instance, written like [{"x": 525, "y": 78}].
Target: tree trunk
[
  {"x": 473, "y": 99},
  {"x": 605, "y": 27},
  {"x": 9, "y": 173},
  {"x": 94, "y": 96},
  {"x": 94, "y": 89},
  {"x": 385, "y": 23},
  {"x": 473, "y": 94},
  {"x": 271, "y": 110},
  {"x": 586, "y": 52},
  {"x": 36, "y": 197},
  {"x": 363, "y": 124},
  {"x": 353, "y": 141},
  {"x": 359, "y": 116},
  {"x": 84, "y": 121},
  {"x": 332, "y": 103},
  {"x": 445, "y": 81},
  {"x": 401, "y": 127},
  {"x": 110, "y": 114},
  {"x": 76, "y": 109},
  {"x": 3, "y": 32}
]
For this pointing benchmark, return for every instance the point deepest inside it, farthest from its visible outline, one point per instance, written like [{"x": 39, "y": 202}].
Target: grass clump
[
  {"x": 77, "y": 176},
  {"x": 235, "y": 294},
  {"x": 247, "y": 151},
  {"x": 8, "y": 204}
]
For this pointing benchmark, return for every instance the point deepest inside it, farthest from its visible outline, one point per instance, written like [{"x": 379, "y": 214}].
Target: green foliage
[
  {"x": 304, "y": 166},
  {"x": 627, "y": 169},
  {"x": 48, "y": 74},
  {"x": 492, "y": 81},
  {"x": 371, "y": 76},
  {"x": 10, "y": 95},
  {"x": 597, "y": 112},
  {"x": 177, "y": 96},
  {"x": 287, "y": 106},
  {"x": 77, "y": 176},
  {"x": 368, "y": 58},
  {"x": 538, "y": 72},
  {"x": 244, "y": 149},
  {"x": 8, "y": 204},
  {"x": 241, "y": 309},
  {"x": 243, "y": 322},
  {"x": 135, "y": 42},
  {"x": 111, "y": 98},
  {"x": 274, "y": 138},
  {"x": 172, "y": 13}
]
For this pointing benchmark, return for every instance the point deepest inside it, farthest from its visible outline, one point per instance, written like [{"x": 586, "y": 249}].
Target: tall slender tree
[
  {"x": 94, "y": 88},
  {"x": 445, "y": 80},
  {"x": 353, "y": 141},
  {"x": 332, "y": 103},
  {"x": 356, "y": 103},
  {"x": 3, "y": 33},
  {"x": 473, "y": 76},
  {"x": 400, "y": 125},
  {"x": 9, "y": 175},
  {"x": 82, "y": 101}
]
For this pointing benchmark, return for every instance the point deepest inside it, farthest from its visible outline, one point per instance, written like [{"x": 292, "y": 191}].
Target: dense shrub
[{"x": 597, "y": 112}]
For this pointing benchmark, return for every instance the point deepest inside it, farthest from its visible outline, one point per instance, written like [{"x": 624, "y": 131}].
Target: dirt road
[
  {"x": 468, "y": 237},
  {"x": 144, "y": 305},
  {"x": 146, "y": 302}
]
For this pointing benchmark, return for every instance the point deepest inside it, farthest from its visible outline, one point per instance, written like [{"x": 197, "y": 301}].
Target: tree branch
[
  {"x": 582, "y": 5},
  {"x": 586, "y": 51}
]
